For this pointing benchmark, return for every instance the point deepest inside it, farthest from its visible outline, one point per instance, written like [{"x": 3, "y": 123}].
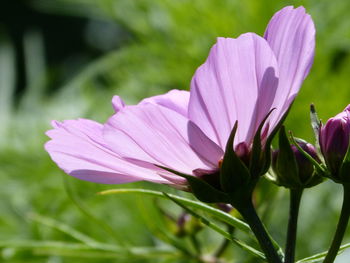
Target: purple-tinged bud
[
  {"x": 181, "y": 224},
  {"x": 243, "y": 152},
  {"x": 225, "y": 207},
  {"x": 306, "y": 168},
  {"x": 187, "y": 225},
  {"x": 334, "y": 141},
  {"x": 290, "y": 167}
]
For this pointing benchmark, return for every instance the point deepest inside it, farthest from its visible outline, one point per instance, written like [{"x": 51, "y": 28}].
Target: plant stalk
[
  {"x": 341, "y": 227},
  {"x": 295, "y": 197},
  {"x": 248, "y": 212}
]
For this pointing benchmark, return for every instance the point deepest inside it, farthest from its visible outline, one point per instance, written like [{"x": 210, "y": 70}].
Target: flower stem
[
  {"x": 295, "y": 197},
  {"x": 341, "y": 227},
  {"x": 248, "y": 212}
]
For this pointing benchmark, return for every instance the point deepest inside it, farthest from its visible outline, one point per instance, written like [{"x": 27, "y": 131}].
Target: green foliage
[{"x": 41, "y": 220}]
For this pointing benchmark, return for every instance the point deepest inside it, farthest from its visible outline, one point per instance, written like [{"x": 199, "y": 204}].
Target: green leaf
[
  {"x": 321, "y": 256},
  {"x": 201, "y": 189},
  {"x": 233, "y": 173},
  {"x": 218, "y": 229},
  {"x": 216, "y": 213},
  {"x": 63, "y": 228},
  {"x": 84, "y": 251}
]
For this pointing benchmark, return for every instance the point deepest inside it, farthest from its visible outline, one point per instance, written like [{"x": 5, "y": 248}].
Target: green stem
[
  {"x": 248, "y": 212},
  {"x": 295, "y": 197},
  {"x": 341, "y": 227}
]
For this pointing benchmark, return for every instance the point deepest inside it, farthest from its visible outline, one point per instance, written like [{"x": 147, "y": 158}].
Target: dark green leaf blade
[
  {"x": 219, "y": 230},
  {"x": 216, "y": 213}
]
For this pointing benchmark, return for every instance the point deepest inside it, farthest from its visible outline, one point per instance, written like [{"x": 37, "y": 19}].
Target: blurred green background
[{"x": 64, "y": 59}]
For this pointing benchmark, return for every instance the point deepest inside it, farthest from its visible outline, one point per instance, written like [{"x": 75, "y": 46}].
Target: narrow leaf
[
  {"x": 82, "y": 250},
  {"x": 63, "y": 228},
  {"x": 218, "y": 214},
  {"x": 321, "y": 256},
  {"x": 218, "y": 229}
]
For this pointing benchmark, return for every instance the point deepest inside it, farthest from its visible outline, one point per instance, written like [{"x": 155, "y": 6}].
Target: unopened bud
[
  {"x": 334, "y": 141},
  {"x": 291, "y": 168}
]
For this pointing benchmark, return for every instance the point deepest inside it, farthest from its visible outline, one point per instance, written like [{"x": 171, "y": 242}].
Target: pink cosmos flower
[{"x": 241, "y": 80}]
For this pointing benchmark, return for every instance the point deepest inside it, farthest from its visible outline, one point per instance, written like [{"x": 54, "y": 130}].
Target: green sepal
[
  {"x": 321, "y": 170},
  {"x": 257, "y": 159},
  {"x": 344, "y": 171},
  {"x": 267, "y": 151},
  {"x": 233, "y": 173},
  {"x": 315, "y": 124},
  {"x": 201, "y": 189},
  {"x": 286, "y": 162},
  {"x": 266, "y": 157},
  {"x": 316, "y": 177}
]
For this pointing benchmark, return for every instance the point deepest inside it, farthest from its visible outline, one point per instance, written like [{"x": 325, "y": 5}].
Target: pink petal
[
  {"x": 237, "y": 82},
  {"x": 291, "y": 35},
  {"x": 176, "y": 100},
  {"x": 78, "y": 148},
  {"x": 151, "y": 134}
]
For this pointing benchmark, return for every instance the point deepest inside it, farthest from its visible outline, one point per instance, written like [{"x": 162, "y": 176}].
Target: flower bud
[
  {"x": 187, "y": 225},
  {"x": 181, "y": 225},
  {"x": 290, "y": 167},
  {"x": 334, "y": 141},
  {"x": 305, "y": 166}
]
